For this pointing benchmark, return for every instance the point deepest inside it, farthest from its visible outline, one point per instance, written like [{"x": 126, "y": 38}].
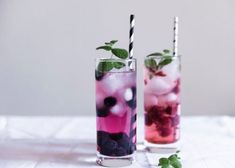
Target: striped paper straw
[
  {"x": 131, "y": 37},
  {"x": 175, "y": 40}
]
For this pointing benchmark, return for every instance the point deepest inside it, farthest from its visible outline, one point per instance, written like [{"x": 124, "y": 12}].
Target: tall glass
[
  {"x": 162, "y": 102},
  {"x": 115, "y": 111}
]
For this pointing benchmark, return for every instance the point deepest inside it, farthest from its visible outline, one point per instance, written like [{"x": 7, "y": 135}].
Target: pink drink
[
  {"x": 116, "y": 112},
  {"x": 162, "y": 102}
]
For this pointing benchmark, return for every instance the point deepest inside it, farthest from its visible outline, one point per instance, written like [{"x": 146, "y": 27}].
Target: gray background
[{"x": 47, "y": 51}]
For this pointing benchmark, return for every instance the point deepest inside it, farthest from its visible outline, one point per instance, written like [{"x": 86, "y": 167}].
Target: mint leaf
[
  {"x": 174, "y": 161},
  {"x": 155, "y": 54},
  {"x": 150, "y": 63},
  {"x": 118, "y": 65},
  {"x": 105, "y": 66},
  {"x": 165, "y": 61},
  {"x": 111, "y": 43},
  {"x": 164, "y": 163},
  {"x": 107, "y": 48},
  {"x": 166, "y": 51},
  {"x": 120, "y": 53}
]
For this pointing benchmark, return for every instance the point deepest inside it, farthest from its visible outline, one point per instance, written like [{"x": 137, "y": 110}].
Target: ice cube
[
  {"x": 149, "y": 100},
  {"x": 100, "y": 95},
  {"x": 128, "y": 95},
  {"x": 159, "y": 85},
  {"x": 171, "y": 97},
  {"x": 172, "y": 69},
  {"x": 118, "y": 109},
  {"x": 168, "y": 99},
  {"x": 112, "y": 82}
]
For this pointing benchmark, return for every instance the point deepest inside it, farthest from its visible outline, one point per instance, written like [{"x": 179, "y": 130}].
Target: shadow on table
[{"x": 78, "y": 152}]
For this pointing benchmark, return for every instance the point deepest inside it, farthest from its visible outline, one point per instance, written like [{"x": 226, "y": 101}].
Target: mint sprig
[
  {"x": 107, "y": 65},
  {"x": 173, "y": 161},
  {"x": 118, "y": 52},
  {"x": 165, "y": 59}
]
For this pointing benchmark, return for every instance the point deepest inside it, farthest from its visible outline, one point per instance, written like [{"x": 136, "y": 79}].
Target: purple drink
[{"x": 115, "y": 110}]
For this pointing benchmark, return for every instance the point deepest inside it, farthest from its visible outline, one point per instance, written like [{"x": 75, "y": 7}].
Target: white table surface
[{"x": 69, "y": 142}]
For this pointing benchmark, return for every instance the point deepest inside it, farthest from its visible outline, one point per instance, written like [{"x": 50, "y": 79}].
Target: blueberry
[
  {"x": 132, "y": 148},
  {"x": 102, "y": 138},
  {"x": 147, "y": 120},
  {"x": 124, "y": 142},
  {"x": 120, "y": 151},
  {"x": 99, "y": 75},
  {"x": 117, "y": 136},
  {"x": 132, "y": 103},
  {"x": 108, "y": 148},
  {"x": 102, "y": 112},
  {"x": 110, "y": 101}
]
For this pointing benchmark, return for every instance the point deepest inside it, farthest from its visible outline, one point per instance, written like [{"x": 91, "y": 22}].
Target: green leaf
[
  {"x": 107, "y": 48},
  {"x": 155, "y": 54},
  {"x": 105, "y": 66},
  {"x": 164, "y": 163},
  {"x": 166, "y": 51},
  {"x": 165, "y": 61},
  {"x": 150, "y": 63},
  {"x": 174, "y": 161},
  {"x": 111, "y": 43},
  {"x": 118, "y": 65},
  {"x": 120, "y": 53}
]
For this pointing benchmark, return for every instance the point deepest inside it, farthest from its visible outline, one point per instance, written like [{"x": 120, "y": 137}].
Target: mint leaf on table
[
  {"x": 173, "y": 161},
  {"x": 164, "y": 163},
  {"x": 120, "y": 53}
]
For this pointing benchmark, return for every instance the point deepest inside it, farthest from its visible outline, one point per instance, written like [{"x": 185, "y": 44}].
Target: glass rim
[
  {"x": 161, "y": 56},
  {"x": 115, "y": 59}
]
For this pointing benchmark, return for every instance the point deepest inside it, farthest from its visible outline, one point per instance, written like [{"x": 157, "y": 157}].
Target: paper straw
[
  {"x": 131, "y": 37},
  {"x": 175, "y": 39}
]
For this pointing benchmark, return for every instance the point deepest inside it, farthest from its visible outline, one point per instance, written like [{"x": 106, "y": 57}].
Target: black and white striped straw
[
  {"x": 175, "y": 40},
  {"x": 131, "y": 35}
]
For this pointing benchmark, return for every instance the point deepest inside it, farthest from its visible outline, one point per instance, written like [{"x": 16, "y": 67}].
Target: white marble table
[{"x": 69, "y": 142}]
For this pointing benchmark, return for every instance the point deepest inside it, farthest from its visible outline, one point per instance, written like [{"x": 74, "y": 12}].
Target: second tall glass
[{"x": 162, "y": 101}]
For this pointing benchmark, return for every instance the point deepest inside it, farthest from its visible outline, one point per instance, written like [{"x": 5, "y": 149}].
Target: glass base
[
  {"x": 162, "y": 148},
  {"x": 118, "y": 161}
]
